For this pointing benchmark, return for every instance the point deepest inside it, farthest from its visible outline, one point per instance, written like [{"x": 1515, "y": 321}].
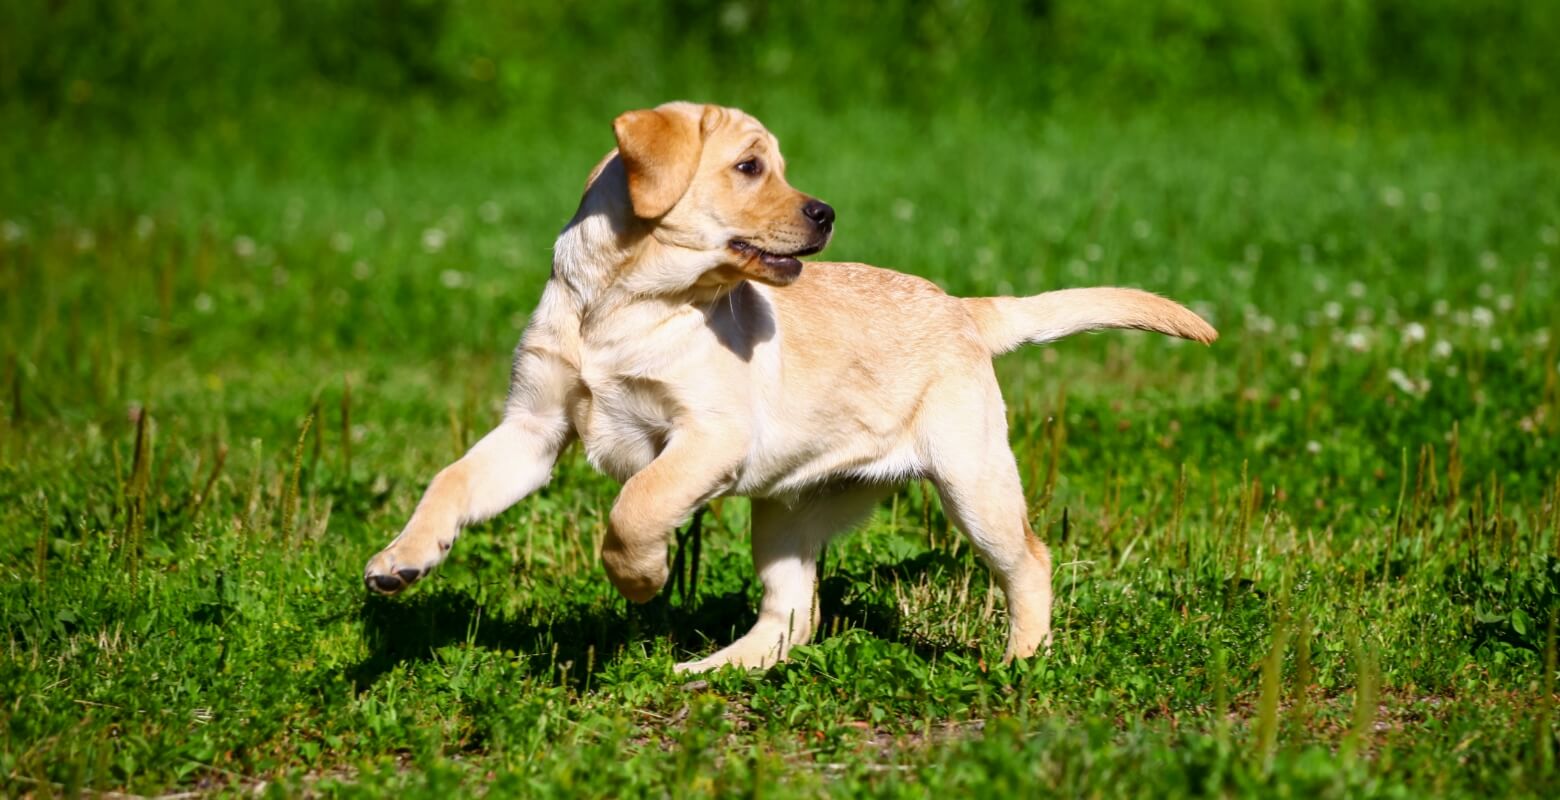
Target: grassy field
[{"x": 1321, "y": 557}]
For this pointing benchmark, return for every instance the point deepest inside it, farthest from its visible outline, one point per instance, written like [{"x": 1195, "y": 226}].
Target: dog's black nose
[{"x": 819, "y": 212}]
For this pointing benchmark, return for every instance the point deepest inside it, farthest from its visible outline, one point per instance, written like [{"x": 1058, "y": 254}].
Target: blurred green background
[
  {"x": 162, "y": 62},
  {"x": 220, "y": 220}
]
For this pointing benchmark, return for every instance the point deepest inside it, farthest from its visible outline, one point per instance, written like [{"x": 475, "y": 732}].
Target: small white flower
[
  {"x": 433, "y": 239},
  {"x": 1141, "y": 229},
  {"x": 1297, "y": 359},
  {"x": 1441, "y": 349},
  {"x": 1488, "y": 261},
  {"x": 1413, "y": 333},
  {"x": 1313, "y": 447},
  {"x": 904, "y": 210},
  {"x": 452, "y": 279},
  {"x": 86, "y": 240},
  {"x": 1541, "y": 338},
  {"x": 1496, "y": 344},
  {"x": 1485, "y": 291},
  {"x": 144, "y": 227},
  {"x": 1333, "y": 310},
  {"x": 1356, "y": 289},
  {"x": 244, "y": 247},
  {"x": 341, "y": 242},
  {"x": 1319, "y": 282},
  {"x": 12, "y": 231},
  {"x": 490, "y": 212},
  {"x": 1482, "y": 317},
  {"x": 511, "y": 253},
  {"x": 1440, "y": 307},
  {"x": 374, "y": 219},
  {"x": 362, "y": 270},
  {"x": 1505, "y": 302},
  {"x": 204, "y": 303},
  {"x": 734, "y": 17},
  {"x": 1093, "y": 252},
  {"x": 1548, "y": 235},
  {"x": 1391, "y": 196},
  {"x": 1406, "y": 384},
  {"x": 1357, "y": 340}
]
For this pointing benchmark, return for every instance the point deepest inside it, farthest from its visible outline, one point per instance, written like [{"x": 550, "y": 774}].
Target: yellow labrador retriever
[{"x": 682, "y": 341}]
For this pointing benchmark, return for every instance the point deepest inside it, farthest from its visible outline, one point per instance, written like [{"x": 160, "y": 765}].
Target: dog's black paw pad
[{"x": 384, "y": 584}]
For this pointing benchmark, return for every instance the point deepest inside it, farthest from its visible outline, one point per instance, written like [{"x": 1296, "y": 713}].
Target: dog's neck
[
  {"x": 591, "y": 254},
  {"x": 600, "y": 239}
]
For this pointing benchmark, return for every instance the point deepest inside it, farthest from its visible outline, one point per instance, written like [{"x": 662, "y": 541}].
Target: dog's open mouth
[{"x": 780, "y": 268}]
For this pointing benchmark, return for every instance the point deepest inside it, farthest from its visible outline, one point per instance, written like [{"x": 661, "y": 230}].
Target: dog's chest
[
  {"x": 632, "y": 381},
  {"x": 623, "y": 424}
]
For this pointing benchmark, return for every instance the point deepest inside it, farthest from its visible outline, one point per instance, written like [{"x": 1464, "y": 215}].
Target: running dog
[{"x": 681, "y": 339}]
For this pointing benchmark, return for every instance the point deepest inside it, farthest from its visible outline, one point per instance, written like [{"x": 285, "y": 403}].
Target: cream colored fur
[{"x": 692, "y": 367}]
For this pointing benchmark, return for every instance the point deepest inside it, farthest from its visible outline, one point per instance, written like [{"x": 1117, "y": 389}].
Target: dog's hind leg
[
  {"x": 786, "y": 544},
  {"x": 975, "y": 473}
]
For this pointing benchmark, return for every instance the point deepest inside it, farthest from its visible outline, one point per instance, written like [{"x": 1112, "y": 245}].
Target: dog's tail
[{"x": 1007, "y": 322}]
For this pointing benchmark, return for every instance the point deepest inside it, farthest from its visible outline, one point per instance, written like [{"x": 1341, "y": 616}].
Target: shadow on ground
[{"x": 581, "y": 640}]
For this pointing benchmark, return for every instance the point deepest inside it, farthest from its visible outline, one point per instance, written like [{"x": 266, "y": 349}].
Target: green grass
[{"x": 1320, "y": 557}]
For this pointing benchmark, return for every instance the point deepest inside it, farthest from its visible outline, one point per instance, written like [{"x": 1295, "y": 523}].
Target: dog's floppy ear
[{"x": 660, "y": 151}]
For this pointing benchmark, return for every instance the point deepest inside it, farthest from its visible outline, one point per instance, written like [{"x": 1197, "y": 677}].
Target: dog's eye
[{"x": 751, "y": 166}]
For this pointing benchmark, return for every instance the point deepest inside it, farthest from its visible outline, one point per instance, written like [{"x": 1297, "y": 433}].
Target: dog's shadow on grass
[
  {"x": 580, "y": 641},
  {"x": 844, "y": 603},
  {"x": 576, "y": 642}
]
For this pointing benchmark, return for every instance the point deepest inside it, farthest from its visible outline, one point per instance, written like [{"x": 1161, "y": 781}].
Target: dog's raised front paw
[
  {"x": 638, "y": 579},
  {"x": 391, "y": 570}
]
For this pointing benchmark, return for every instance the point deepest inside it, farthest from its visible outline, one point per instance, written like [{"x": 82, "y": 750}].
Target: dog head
[{"x": 709, "y": 182}]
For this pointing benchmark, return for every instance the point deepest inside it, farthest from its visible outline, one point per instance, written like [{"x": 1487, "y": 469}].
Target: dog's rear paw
[{"x": 757, "y": 650}]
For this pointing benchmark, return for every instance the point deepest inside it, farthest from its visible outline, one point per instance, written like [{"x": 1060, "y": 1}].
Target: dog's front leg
[
  {"x": 509, "y": 463},
  {"x": 695, "y": 466}
]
